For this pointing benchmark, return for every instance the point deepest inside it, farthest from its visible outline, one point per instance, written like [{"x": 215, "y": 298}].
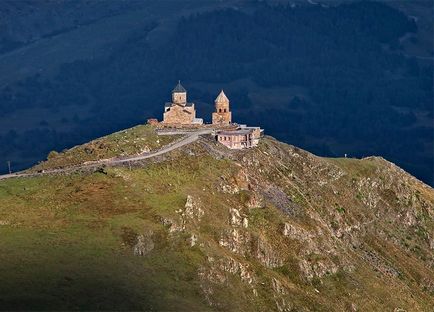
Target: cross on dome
[{"x": 179, "y": 88}]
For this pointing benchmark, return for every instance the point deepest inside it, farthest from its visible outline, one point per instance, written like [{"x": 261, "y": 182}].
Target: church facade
[{"x": 179, "y": 111}]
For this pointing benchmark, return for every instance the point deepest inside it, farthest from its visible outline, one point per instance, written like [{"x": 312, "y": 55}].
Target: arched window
[
  {"x": 220, "y": 110},
  {"x": 224, "y": 110}
]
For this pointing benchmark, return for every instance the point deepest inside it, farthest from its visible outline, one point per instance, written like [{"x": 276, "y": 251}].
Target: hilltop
[{"x": 204, "y": 228}]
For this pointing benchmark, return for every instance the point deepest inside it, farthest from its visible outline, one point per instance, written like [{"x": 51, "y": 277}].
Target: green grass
[
  {"x": 66, "y": 251},
  {"x": 69, "y": 240},
  {"x": 133, "y": 141},
  {"x": 356, "y": 167}
]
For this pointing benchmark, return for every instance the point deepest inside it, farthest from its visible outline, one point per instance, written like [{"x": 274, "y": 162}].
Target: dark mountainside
[
  {"x": 333, "y": 80},
  {"x": 205, "y": 228}
]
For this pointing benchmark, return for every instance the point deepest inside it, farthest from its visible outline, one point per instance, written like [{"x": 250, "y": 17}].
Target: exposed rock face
[
  {"x": 193, "y": 240},
  {"x": 296, "y": 232},
  {"x": 236, "y": 219},
  {"x": 317, "y": 268},
  {"x": 190, "y": 215},
  {"x": 280, "y": 296},
  {"x": 192, "y": 209},
  {"x": 175, "y": 227},
  {"x": 228, "y": 188},
  {"x": 245, "y": 223},
  {"x": 235, "y": 183},
  {"x": 236, "y": 240},
  {"x": 256, "y": 200},
  {"x": 266, "y": 254},
  {"x": 368, "y": 190},
  {"x": 217, "y": 268},
  {"x": 218, "y": 272},
  {"x": 144, "y": 245}
]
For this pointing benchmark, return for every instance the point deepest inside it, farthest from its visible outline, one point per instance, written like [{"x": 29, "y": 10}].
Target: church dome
[
  {"x": 179, "y": 88},
  {"x": 222, "y": 98}
]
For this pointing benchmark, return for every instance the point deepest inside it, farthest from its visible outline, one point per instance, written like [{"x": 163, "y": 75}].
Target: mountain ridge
[{"x": 207, "y": 228}]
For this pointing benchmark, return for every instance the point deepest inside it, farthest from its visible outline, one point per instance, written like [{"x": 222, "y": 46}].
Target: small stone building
[
  {"x": 179, "y": 111},
  {"x": 243, "y": 137},
  {"x": 257, "y": 132},
  {"x": 222, "y": 114}
]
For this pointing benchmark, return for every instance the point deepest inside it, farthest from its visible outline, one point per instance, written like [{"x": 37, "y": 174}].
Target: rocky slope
[{"x": 203, "y": 228}]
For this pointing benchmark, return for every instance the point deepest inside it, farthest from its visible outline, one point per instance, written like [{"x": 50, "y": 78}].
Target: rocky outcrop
[
  {"x": 144, "y": 245},
  {"x": 217, "y": 272},
  {"x": 317, "y": 268},
  {"x": 296, "y": 232},
  {"x": 190, "y": 215},
  {"x": 236, "y": 220},
  {"x": 280, "y": 296},
  {"x": 264, "y": 252},
  {"x": 236, "y": 240},
  {"x": 235, "y": 183},
  {"x": 4, "y": 222},
  {"x": 193, "y": 240},
  {"x": 368, "y": 190},
  {"x": 192, "y": 210}
]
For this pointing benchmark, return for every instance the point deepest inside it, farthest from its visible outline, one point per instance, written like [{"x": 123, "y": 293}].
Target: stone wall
[
  {"x": 179, "y": 97},
  {"x": 223, "y": 118},
  {"x": 179, "y": 115}
]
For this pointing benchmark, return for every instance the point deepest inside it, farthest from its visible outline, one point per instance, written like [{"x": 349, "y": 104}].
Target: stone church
[
  {"x": 179, "y": 111},
  {"x": 232, "y": 135}
]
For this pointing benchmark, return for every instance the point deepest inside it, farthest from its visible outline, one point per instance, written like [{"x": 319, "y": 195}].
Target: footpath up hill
[{"x": 203, "y": 228}]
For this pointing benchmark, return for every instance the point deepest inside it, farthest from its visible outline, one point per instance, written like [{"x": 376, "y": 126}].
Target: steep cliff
[{"x": 205, "y": 228}]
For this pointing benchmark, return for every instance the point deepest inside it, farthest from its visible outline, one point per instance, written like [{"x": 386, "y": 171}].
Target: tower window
[
  {"x": 224, "y": 110},
  {"x": 220, "y": 110}
]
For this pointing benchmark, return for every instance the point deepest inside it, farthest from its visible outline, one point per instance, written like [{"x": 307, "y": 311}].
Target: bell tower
[
  {"x": 222, "y": 114},
  {"x": 179, "y": 95}
]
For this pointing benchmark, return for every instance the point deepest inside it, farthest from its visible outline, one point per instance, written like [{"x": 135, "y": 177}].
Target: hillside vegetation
[
  {"x": 202, "y": 228},
  {"x": 134, "y": 141}
]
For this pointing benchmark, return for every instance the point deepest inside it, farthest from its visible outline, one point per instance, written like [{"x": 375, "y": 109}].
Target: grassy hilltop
[
  {"x": 203, "y": 228},
  {"x": 129, "y": 142}
]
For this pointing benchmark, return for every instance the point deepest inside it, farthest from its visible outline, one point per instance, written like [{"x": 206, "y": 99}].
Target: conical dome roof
[
  {"x": 222, "y": 98},
  {"x": 179, "y": 88}
]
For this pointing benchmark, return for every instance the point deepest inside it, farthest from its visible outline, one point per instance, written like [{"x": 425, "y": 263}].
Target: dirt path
[{"x": 188, "y": 139}]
